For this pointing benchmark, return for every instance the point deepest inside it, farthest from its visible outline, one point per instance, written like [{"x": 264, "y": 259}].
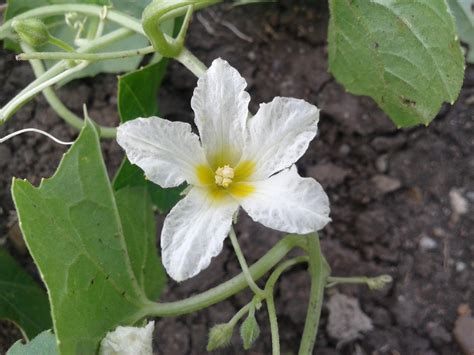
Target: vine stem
[
  {"x": 131, "y": 25},
  {"x": 243, "y": 264},
  {"x": 57, "y": 105},
  {"x": 240, "y": 314},
  {"x": 185, "y": 57},
  {"x": 30, "y": 91},
  {"x": 228, "y": 288},
  {"x": 269, "y": 290},
  {"x": 91, "y": 57},
  {"x": 91, "y": 10},
  {"x": 191, "y": 62},
  {"x": 319, "y": 271}
]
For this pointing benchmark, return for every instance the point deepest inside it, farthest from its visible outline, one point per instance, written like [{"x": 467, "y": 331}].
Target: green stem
[
  {"x": 91, "y": 10},
  {"x": 58, "y": 106},
  {"x": 159, "y": 11},
  {"x": 269, "y": 290},
  {"x": 191, "y": 62},
  {"x": 60, "y": 44},
  {"x": 30, "y": 91},
  {"x": 240, "y": 314},
  {"x": 22, "y": 98},
  {"x": 319, "y": 271},
  {"x": 185, "y": 57},
  {"x": 86, "y": 56},
  {"x": 243, "y": 264},
  {"x": 228, "y": 288}
]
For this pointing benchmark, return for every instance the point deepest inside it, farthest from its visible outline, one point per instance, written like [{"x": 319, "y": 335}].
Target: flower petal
[
  {"x": 128, "y": 340},
  {"x": 289, "y": 203},
  {"x": 220, "y": 104},
  {"x": 168, "y": 152},
  {"x": 194, "y": 231},
  {"x": 279, "y": 134}
]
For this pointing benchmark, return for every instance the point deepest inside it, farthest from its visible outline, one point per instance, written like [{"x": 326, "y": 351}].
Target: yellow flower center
[
  {"x": 224, "y": 176},
  {"x": 226, "y": 179}
]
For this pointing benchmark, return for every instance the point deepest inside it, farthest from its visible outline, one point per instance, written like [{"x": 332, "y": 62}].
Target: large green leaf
[
  {"x": 139, "y": 228},
  {"x": 43, "y": 344},
  {"x": 22, "y": 300},
  {"x": 137, "y": 93},
  {"x": 72, "y": 228},
  {"x": 463, "y": 11},
  {"x": 404, "y": 54}
]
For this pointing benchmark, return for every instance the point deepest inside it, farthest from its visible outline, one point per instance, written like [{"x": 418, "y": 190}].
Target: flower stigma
[{"x": 224, "y": 176}]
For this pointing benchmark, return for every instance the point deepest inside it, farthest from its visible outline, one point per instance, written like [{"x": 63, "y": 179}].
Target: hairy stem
[
  {"x": 240, "y": 314},
  {"x": 228, "y": 288},
  {"x": 91, "y": 10},
  {"x": 243, "y": 264},
  {"x": 319, "y": 271},
  {"x": 91, "y": 57},
  {"x": 191, "y": 62},
  {"x": 30, "y": 91},
  {"x": 56, "y": 104},
  {"x": 269, "y": 290}
]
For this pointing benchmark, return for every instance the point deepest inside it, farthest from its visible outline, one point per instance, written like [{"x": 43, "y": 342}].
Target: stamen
[{"x": 224, "y": 176}]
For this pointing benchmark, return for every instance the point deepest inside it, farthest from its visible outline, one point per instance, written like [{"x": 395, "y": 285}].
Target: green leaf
[
  {"x": 137, "y": 93},
  {"x": 249, "y": 330},
  {"x": 43, "y": 344},
  {"x": 72, "y": 228},
  {"x": 463, "y": 11},
  {"x": 131, "y": 175},
  {"x": 139, "y": 229},
  {"x": 403, "y": 54},
  {"x": 22, "y": 300}
]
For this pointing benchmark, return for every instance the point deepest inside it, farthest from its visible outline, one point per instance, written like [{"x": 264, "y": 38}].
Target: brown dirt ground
[{"x": 389, "y": 189}]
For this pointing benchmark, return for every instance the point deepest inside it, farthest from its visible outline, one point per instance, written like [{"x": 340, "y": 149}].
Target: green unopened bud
[
  {"x": 31, "y": 31},
  {"x": 249, "y": 330},
  {"x": 220, "y": 336}
]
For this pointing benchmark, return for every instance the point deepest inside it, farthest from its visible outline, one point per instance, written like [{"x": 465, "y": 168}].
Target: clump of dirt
[{"x": 389, "y": 189}]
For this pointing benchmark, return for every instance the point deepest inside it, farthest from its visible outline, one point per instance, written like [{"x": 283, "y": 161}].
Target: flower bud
[
  {"x": 31, "y": 31},
  {"x": 220, "y": 336},
  {"x": 249, "y": 330}
]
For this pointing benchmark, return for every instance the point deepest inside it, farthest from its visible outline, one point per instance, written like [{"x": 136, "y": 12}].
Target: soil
[{"x": 392, "y": 191}]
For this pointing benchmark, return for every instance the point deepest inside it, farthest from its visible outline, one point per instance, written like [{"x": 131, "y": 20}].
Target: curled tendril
[
  {"x": 379, "y": 282},
  {"x": 161, "y": 10}
]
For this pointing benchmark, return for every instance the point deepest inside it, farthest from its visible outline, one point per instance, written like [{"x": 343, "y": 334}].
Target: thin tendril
[{"x": 17, "y": 133}]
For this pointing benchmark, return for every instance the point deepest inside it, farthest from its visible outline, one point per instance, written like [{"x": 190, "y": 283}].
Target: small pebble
[
  {"x": 381, "y": 164},
  {"x": 385, "y": 184},
  {"x": 460, "y": 266},
  {"x": 427, "y": 243},
  {"x": 459, "y": 204},
  {"x": 344, "y": 149},
  {"x": 464, "y": 330},
  {"x": 346, "y": 320}
]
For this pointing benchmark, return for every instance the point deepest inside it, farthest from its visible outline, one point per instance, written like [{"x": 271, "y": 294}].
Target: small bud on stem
[{"x": 31, "y": 31}]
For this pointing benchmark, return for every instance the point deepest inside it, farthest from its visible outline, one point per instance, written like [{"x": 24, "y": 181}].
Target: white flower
[
  {"x": 237, "y": 162},
  {"x": 128, "y": 341}
]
